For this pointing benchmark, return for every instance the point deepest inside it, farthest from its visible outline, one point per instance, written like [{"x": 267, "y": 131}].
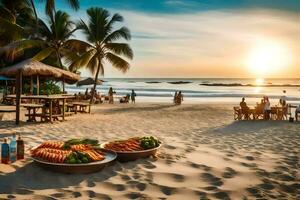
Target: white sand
[{"x": 206, "y": 155}]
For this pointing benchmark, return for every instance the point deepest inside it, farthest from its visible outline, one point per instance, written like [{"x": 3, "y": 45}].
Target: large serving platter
[
  {"x": 125, "y": 156},
  {"x": 110, "y": 156}
]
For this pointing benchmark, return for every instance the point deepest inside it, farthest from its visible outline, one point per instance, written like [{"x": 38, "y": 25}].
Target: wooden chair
[{"x": 237, "y": 113}]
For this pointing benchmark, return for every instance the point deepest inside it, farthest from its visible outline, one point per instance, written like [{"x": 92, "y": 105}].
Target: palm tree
[
  {"x": 103, "y": 45},
  {"x": 53, "y": 41}
]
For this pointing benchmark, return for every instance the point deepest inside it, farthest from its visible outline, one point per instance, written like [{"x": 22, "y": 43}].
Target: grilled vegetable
[{"x": 149, "y": 142}]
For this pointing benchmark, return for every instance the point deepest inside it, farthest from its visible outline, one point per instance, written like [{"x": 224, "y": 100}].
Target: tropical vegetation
[{"x": 24, "y": 35}]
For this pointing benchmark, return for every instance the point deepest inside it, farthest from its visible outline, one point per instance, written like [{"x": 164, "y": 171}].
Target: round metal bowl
[
  {"x": 125, "y": 156},
  {"x": 110, "y": 156}
]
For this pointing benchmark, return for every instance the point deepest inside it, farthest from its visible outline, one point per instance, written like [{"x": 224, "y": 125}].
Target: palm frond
[
  {"x": 6, "y": 14},
  {"x": 83, "y": 59},
  {"x": 77, "y": 45},
  {"x": 16, "y": 48},
  {"x": 93, "y": 64},
  {"x": 120, "y": 49},
  {"x": 122, "y": 33},
  {"x": 10, "y": 31},
  {"x": 74, "y": 4},
  {"x": 44, "y": 54},
  {"x": 115, "y": 18},
  {"x": 117, "y": 62}
]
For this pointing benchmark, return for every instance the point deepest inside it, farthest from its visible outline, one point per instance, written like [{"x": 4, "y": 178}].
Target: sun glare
[
  {"x": 267, "y": 57},
  {"x": 259, "y": 81}
]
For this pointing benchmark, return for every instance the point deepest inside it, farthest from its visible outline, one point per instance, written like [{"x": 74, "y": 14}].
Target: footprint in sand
[
  {"x": 136, "y": 195},
  {"x": 167, "y": 190},
  {"x": 141, "y": 186},
  {"x": 251, "y": 158},
  {"x": 229, "y": 173},
  {"x": 222, "y": 195},
  {"x": 211, "y": 179},
  {"x": 95, "y": 195}
]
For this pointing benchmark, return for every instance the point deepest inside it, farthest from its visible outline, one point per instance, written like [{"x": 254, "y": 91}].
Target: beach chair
[{"x": 237, "y": 113}]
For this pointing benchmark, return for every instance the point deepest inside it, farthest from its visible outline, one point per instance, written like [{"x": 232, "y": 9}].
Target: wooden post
[
  {"x": 31, "y": 85},
  {"x": 64, "y": 103},
  {"x": 37, "y": 85},
  {"x": 18, "y": 95},
  {"x": 63, "y": 82}
]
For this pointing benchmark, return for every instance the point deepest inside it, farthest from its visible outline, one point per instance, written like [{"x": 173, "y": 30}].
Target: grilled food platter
[
  {"x": 133, "y": 148},
  {"x": 72, "y": 156}
]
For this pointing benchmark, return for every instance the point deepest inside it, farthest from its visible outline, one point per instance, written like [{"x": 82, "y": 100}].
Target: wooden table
[
  {"x": 49, "y": 99},
  {"x": 81, "y": 106},
  {"x": 34, "y": 108}
]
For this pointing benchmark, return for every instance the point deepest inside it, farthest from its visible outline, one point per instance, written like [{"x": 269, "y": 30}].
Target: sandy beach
[{"x": 206, "y": 155}]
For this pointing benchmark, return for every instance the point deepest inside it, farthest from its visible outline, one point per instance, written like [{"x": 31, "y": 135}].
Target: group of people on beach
[
  {"x": 178, "y": 98},
  {"x": 264, "y": 105}
]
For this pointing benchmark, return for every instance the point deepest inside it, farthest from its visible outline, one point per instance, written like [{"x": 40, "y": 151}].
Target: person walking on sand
[
  {"x": 110, "y": 96},
  {"x": 175, "y": 98},
  {"x": 133, "y": 95}
]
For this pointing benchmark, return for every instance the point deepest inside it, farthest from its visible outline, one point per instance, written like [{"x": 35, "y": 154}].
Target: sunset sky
[{"x": 206, "y": 38}]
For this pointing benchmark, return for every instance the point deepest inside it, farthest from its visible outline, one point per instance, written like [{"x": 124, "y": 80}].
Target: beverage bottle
[
  {"x": 5, "y": 152},
  {"x": 20, "y": 148},
  {"x": 13, "y": 148}
]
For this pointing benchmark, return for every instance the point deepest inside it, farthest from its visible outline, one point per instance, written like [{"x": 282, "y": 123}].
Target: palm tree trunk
[
  {"x": 95, "y": 83},
  {"x": 60, "y": 66}
]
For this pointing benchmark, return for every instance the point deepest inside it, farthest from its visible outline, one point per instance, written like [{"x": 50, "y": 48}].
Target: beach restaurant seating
[{"x": 277, "y": 113}]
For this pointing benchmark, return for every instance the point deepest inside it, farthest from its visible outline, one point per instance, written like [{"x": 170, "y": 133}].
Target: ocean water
[{"x": 199, "y": 90}]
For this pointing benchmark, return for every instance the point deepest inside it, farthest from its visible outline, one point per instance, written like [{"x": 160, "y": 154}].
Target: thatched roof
[
  {"x": 88, "y": 81},
  {"x": 32, "y": 67}
]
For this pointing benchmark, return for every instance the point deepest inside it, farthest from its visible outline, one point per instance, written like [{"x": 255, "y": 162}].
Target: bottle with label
[
  {"x": 5, "y": 152},
  {"x": 20, "y": 148},
  {"x": 13, "y": 148}
]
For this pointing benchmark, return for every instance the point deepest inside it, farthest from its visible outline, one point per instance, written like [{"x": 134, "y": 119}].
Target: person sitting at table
[
  {"x": 245, "y": 108},
  {"x": 267, "y": 108},
  {"x": 283, "y": 99}
]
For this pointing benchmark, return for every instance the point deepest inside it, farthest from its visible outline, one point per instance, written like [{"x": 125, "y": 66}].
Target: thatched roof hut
[
  {"x": 89, "y": 81},
  {"x": 32, "y": 67}
]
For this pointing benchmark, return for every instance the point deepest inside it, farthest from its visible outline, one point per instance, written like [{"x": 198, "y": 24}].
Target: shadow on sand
[
  {"x": 29, "y": 178},
  {"x": 242, "y": 127},
  {"x": 135, "y": 109}
]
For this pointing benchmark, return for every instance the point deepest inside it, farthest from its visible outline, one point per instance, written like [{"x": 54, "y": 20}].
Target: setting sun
[{"x": 267, "y": 57}]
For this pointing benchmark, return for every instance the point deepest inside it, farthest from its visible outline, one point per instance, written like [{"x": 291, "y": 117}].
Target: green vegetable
[
  {"x": 149, "y": 142},
  {"x": 72, "y": 161},
  {"x": 85, "y": 160}
]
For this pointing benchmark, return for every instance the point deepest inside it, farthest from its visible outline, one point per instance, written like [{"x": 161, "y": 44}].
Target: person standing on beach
[
  {"x": 133, "y": 95},
  {"x": 175, "y": 98},
  {"x": 110, "y": 96},
  {"x": 283, "y": 99},
  {"x": 179, "y": 98}
]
